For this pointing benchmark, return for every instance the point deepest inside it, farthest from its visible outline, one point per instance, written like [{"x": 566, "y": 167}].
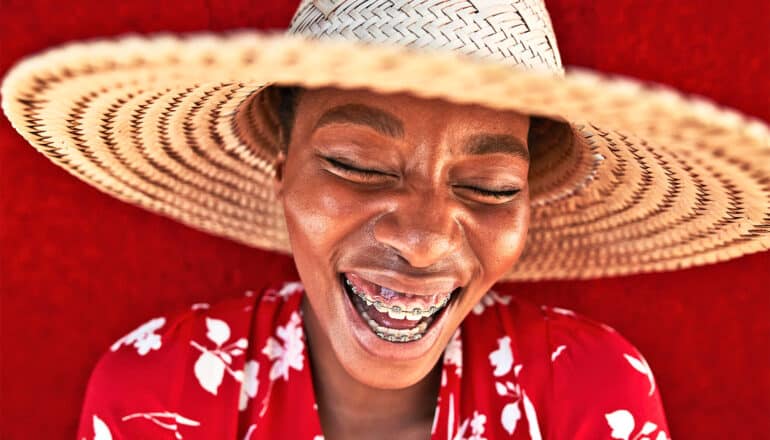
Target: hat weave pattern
[
  {"x": 517, "y": 33},
  {"x": 186, "y": 127}
]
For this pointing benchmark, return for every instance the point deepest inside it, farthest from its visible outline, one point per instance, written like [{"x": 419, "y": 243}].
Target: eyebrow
[
  {"x": 379, "y": 120},
  {"x": 496, "y": 143}
]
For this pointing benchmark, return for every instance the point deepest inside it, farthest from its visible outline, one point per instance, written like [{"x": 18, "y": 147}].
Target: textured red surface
[{"x": 79, "y": 269}]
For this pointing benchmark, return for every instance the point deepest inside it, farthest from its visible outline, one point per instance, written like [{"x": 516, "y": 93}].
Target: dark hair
[{"x": 287, "y": 106}]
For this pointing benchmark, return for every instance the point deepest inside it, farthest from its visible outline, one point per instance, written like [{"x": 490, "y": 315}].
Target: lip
[
  {"x": 421, "y": 286},
  {"x": 386, "y": 350}
]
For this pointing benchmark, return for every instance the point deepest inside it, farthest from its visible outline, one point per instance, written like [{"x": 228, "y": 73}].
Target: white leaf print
[
  {"x": 101, "y": 431},
  {"x": 661, "y": 436},
  {"x": 166, "y": 420},
  {"x": 490, "y": 299},
  {"x": 218, "y": 330},
  {"x": 562, "y": 311},
  {"x": 143, "y": 338},
  {"x": 501, "y": 390},
  {"x": 648, "y": 428},
  {"x": 252, "y": 428},
  {"x": 250, "y": 384},
  {"x": 289, "y": 289},
  {"x": 510, "y": 417},
  {"x": 643, "y": 367},
  {"x": 184, "y": 420},
  {"x": 621, "y": 422},
  {"x": 453, "y": 353},
  {"x": 534, "y": 426},
  {"x": 242, "y": 343},
  {"x": 460, "y": 435},
  {"x": 209, "y": 370},
  {"x": 502, "y": 358},
  {"x": 557, "y": 352},
  {"x": 517, "y": 369}
]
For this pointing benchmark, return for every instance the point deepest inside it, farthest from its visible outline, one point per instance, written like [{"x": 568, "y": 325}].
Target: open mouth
[{"x": 394, "y": 316}]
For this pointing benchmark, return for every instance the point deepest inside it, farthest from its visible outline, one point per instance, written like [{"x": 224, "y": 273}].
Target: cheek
[
  {"x": 310, "y": 210},
  {"x": 319, "y": 213},
  {"x": 504, "y": 240}
]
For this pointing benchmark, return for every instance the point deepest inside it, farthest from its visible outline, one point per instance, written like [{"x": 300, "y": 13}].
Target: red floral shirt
[{"x": 239, "y": 369}]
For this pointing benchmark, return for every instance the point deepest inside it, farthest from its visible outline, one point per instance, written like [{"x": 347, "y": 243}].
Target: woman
[{"x": 356, "y": 177}]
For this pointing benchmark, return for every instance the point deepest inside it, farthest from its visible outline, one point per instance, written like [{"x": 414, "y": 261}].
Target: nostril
[{"x": 421, "y": 237}]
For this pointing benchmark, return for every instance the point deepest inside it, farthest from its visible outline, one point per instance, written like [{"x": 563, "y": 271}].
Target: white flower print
[
  {"x": 476, "y": 423},
  {"x": 290, "y": 353},
  {"x": 502, "y": 358},
  {"x": 641, "y": 366},
  {"x": 101, "y": 431},
  {"x": 285, "y": 356},
  {"x": 166, "y": 420},
  {"x": 502, "y": 361},
  {"x": 623, "y": 424},
  {"x": 250, "y": 384},
  {"x": 143, "y": 338},
  {"x": 490, "y": 299},
  {"x": 212, "y": 363},
  {"x": 557, "y": 352},
  {"x": 453, "y": 353}
]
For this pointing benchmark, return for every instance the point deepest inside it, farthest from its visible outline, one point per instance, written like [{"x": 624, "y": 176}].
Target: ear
[{"x": 280, "y": 161}]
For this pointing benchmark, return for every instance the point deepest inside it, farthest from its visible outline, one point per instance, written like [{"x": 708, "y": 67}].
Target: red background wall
[{"x": 79, "y": 269}]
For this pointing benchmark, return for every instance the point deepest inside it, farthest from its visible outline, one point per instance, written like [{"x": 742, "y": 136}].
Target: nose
[{"x": 423, "y": 230}]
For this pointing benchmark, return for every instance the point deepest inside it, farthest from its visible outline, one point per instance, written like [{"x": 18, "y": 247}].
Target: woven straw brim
[{"x": 651, "y": 180}]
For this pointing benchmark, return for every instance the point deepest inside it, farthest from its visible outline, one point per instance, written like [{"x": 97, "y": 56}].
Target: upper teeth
[{"x": 395, "y": 311}]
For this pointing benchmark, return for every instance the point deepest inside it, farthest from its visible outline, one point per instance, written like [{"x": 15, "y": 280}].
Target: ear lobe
[{"x": 280, "y": 161}]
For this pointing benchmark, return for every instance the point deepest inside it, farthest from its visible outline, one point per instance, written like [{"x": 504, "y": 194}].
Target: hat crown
[{"x": 513, "y": 32}]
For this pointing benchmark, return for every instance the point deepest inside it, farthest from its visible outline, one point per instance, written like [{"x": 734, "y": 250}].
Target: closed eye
[
  {"x": 348, "y": 169},
  {"x": 488, "y": 195}
]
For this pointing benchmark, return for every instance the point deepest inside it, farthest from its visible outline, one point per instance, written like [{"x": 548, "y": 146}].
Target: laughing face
[{"x": 402, "y": 212}]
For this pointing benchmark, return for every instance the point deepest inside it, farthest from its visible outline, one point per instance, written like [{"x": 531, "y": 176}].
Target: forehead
[{"x": 402, "y": 114}]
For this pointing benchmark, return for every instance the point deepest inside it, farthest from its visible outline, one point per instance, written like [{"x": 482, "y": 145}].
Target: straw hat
[{"x": 639, "y": 178}]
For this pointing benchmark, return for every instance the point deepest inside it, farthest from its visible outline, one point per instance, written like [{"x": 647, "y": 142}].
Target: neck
[{"x": 350, "y": 409}]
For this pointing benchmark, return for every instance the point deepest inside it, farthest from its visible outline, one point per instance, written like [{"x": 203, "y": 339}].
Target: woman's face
[{"x": 402, "y": 212}]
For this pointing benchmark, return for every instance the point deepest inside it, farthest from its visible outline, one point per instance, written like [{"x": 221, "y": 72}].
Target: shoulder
[
  {"x": 576, "y": 339},
  {"x": 192, "y": 358},
  {"x": 584, "y": 378},
  {"x": 163, "y": 346},
  {"x": 573, "y": 342},
  {"x": 601, "y": 382},
  {"x": 164, "y": 336}
]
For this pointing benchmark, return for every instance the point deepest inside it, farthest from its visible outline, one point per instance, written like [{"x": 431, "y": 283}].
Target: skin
[{"x": 418, "y": 220}]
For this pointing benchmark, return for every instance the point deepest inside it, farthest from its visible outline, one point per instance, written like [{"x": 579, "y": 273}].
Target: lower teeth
[{"x": 394, "y": 335}]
